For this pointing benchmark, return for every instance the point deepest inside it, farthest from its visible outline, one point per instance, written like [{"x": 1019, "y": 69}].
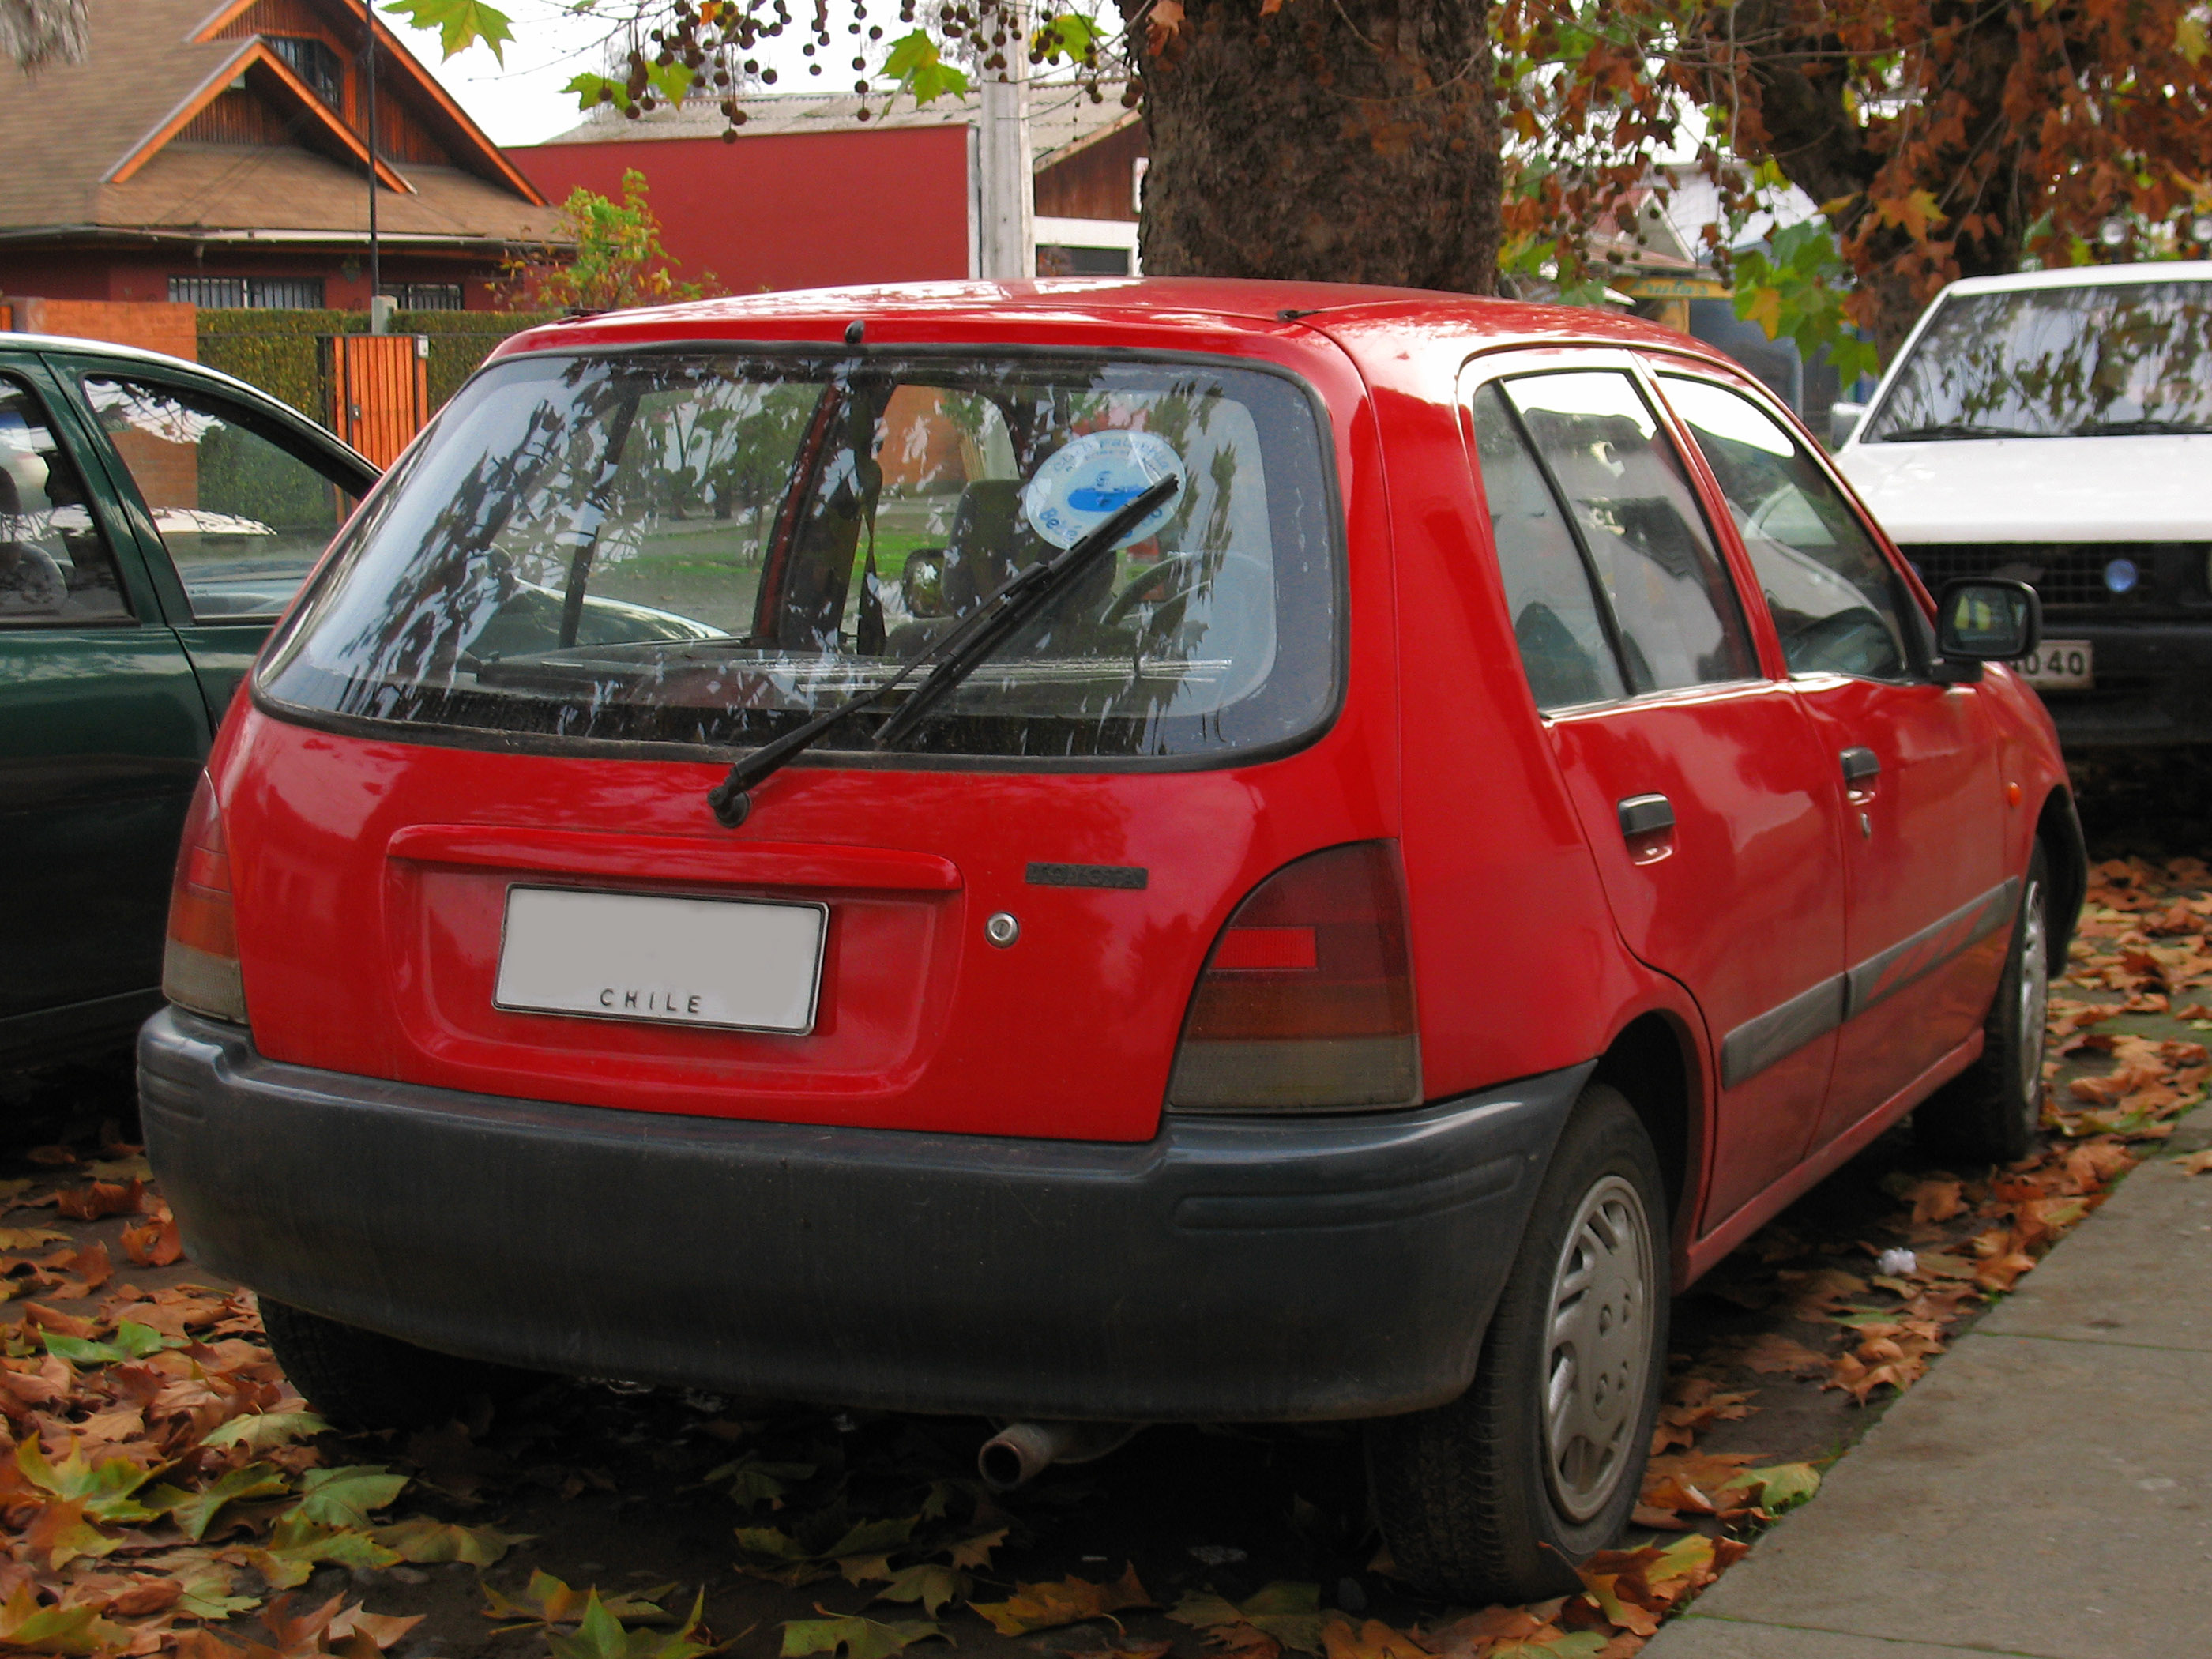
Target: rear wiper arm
[{"x": 955, "y": 657}]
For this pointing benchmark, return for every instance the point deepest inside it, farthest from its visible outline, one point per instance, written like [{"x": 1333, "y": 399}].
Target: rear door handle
[
  {"x": 1860, "y": 763},
  {"x": 1642, "y": 816}
]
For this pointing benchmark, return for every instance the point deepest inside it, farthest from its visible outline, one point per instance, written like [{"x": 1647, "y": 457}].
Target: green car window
[
  {"x": 243, "y": 517},
  {"x": 56, "y": 569}
]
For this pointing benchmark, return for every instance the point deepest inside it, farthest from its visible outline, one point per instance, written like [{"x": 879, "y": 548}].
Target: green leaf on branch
[
  {"x": 592, "y": 90},
  {"x": 1797, "y": 289},
  {"x": 920, "y": 68},
  {"x": 460, "y": 23},
  {"x": 1070, "y": 35},
  {"x": 671, "y": 81}
]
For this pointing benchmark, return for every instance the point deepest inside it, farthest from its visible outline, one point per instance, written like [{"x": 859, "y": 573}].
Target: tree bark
[{"x": 1350, "y": 141}]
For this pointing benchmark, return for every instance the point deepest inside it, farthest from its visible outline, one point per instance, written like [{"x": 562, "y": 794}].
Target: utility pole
[
  {"x": 1007, "y": 211},
  {"x": 379, "y": 312}
]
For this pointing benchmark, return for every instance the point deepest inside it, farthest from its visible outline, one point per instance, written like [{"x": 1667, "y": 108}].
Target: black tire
[
  {"x": 1992, "y": 1113},
  {"x": 1478, "y": 1501},
  {"x": 365, "y": 1380}
]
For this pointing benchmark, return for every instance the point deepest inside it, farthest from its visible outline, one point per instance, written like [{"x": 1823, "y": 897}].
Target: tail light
[
  {"x": 1307, "y": 1001},
  {"x": 199, "y": 966}
]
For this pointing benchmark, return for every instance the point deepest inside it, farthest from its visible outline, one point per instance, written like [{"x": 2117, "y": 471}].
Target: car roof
[
  {"x": 1344, "y": 310},
  {"x": 131, "y": 354},
  {"x": 2152, "y": 270}
]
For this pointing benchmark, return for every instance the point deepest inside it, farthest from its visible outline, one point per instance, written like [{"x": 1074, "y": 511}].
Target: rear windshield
[
  {"x": 2111, "y": 361},
  {"x": 709, "y": 548}
]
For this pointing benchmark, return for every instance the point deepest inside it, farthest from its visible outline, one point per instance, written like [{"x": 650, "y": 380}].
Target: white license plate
[
  {"x": 2061, "y": 665},
  {"x": 738, "y": 964}
]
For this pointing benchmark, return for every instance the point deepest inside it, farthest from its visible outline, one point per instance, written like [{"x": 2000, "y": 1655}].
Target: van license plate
[
  {"x": 737, "y": 964},
  {"x": 2061, "y": 665}
]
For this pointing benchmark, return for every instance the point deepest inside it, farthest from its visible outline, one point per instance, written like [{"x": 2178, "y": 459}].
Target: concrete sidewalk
[{"x": 2045, "y": 1491}]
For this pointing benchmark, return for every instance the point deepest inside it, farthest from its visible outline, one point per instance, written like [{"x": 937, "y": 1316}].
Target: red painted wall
[{"x": 783, "y": 211}]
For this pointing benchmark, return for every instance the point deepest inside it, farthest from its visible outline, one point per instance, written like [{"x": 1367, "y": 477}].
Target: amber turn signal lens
[
  {"x": 1306, "y": 1003},
  {"x": 199, "y": 965}
]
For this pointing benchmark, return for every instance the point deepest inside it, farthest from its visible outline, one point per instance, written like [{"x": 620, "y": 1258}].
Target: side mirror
[
  {"x": 1981, "y": 621},
  {"x": 921, "y": 584},
  {"x": 1843, "y": 420}
]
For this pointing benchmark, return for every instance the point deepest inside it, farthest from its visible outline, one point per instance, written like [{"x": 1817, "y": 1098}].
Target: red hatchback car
[{"x": 1094, "y": 852}]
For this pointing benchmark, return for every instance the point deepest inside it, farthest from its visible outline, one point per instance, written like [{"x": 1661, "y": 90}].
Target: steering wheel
[{"x": 1853, "y": 642}]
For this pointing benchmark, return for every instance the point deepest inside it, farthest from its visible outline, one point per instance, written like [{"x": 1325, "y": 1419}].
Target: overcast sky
[{"x": 520, "y": 102}]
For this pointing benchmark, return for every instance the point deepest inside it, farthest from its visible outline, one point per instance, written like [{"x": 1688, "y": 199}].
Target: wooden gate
[{"x": 379, "y": 388}]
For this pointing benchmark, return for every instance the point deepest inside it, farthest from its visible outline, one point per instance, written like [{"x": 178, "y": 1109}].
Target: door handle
[
  {"x": 1860, "y": 763},
  {"x": 1644, "y": 815}
]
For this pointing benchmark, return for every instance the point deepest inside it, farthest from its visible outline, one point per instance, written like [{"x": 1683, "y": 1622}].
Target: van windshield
[
  {"x": 2110, "y": 360},
  {"x": 707, "y": 549}
]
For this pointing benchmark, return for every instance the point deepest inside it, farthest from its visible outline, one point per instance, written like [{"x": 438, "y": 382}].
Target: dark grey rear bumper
[{"x": 1313, "y": 1267}]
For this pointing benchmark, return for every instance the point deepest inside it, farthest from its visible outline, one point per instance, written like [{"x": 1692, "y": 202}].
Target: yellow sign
[{"x": 1675, "y": 287}]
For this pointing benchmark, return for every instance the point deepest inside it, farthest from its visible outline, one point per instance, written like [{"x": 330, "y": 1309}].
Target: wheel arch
[
  {"x": 1653, "y": 1062},
  {"x": 2059, "y": 828}
]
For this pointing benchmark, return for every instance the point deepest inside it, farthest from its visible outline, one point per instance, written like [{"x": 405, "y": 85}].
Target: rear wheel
[
  {"x": 365, "y": 1380},
  {"x": 1499, "y": 1495},
  {"x": 1992, "y": 1112}
]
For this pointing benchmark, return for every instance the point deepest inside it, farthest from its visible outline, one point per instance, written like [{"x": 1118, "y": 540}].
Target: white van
[{"x": 2055, "y": 427}]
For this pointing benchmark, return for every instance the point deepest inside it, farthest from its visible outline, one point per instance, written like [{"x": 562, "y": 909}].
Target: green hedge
[{"x": 276, "y": 349}]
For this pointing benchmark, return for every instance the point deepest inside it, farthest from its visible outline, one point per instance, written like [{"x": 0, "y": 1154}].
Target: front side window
[
  {"x": 1639, "y": 527},
  {"x": 244, "y": 518},
  {"x": 55, "y": 566},
  {"x": 1836, "y": 603},
  {"x": 709, "y": 550},
  {"x": 2105, "y": 360}
]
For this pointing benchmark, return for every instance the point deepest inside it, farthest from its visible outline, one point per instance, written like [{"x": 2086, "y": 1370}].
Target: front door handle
[
  {"x": 1860, "y": 763},
  {"x": 1644, "y": 815}
]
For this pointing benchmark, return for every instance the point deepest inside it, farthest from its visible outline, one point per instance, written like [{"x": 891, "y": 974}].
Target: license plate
[
  {"x": 2061, "y": 665},
  {"x": 733, "y": 963}
]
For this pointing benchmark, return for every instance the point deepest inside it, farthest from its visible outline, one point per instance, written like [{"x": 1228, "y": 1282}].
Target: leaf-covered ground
[{"x": 162, "y": 1488}]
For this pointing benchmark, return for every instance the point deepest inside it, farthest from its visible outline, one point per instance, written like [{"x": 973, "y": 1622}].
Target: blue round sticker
[{"x": 1091, "y": 477}]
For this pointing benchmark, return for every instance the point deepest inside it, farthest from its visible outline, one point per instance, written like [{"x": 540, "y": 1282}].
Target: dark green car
[{"x": 155, "y": 518}]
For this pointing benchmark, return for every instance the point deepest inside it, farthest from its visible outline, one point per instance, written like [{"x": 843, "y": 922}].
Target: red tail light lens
[
  {"x": 1307, "y": 1002},
  {"x": 199, "y": 966}
]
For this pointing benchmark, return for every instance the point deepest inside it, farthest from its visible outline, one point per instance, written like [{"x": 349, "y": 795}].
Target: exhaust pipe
[{"x": 1020, "y": 1451}]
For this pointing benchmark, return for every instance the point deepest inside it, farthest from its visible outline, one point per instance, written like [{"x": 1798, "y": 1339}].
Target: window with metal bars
[{"x": 248, "y": 293}]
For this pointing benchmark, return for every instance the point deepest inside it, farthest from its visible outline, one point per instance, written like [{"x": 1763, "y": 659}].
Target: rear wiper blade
[
  {"x": 950, "y": 661},
  {"x": 1954, "y": 429},
  {"x": 2138, "y": 428}
]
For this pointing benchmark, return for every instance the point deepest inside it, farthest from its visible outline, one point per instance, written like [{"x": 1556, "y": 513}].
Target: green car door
[{"x": 102, "y": 730}]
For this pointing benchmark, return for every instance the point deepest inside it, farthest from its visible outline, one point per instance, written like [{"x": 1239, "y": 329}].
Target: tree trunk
[
  {"x": 1822, "y": 146},
  {"x": 38, "y": 32},
  {"x": 1351, "y": 141}
]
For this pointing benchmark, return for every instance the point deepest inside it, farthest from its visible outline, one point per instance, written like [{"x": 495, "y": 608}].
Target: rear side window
[
  {"x": 1556, "y": 622},
  {"x": 55, "y": 566},
  {"x": 1636, "y": 522},
  {"x": 709, "y": 550},
  {"x": 1836, "y": 603}
]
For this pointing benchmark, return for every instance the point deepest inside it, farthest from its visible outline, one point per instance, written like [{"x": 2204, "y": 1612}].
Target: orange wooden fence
[{"x": 380, "y": 390}]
